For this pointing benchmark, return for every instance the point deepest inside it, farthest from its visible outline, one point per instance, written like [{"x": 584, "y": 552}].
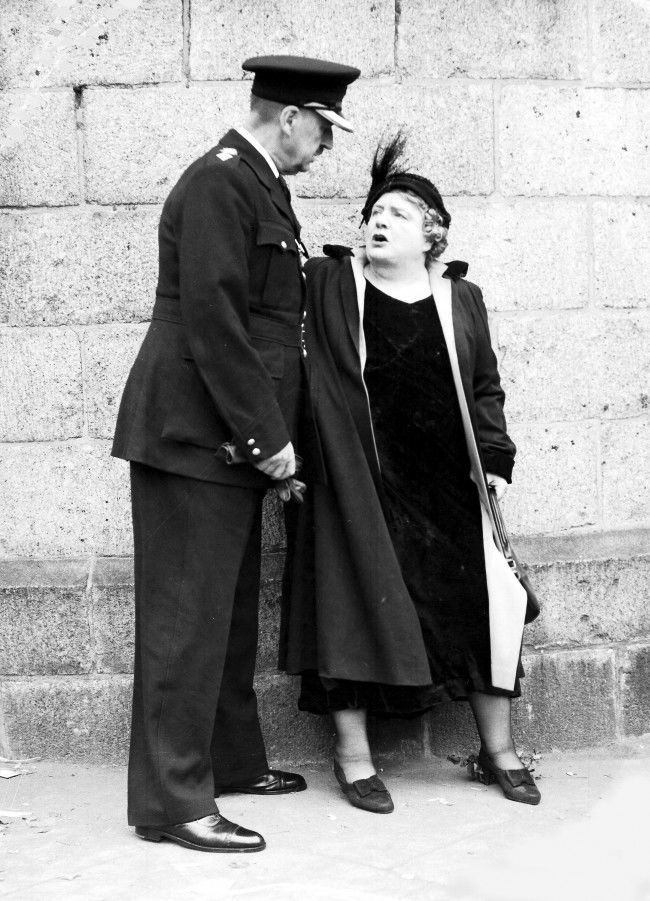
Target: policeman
[{"x": 220, "y": 367}]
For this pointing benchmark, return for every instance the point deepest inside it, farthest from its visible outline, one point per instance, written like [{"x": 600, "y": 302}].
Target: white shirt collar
[{"x": 261, "y": 150}]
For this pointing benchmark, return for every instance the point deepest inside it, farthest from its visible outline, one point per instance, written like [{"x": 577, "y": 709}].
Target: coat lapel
[
  {"x": 441, "y": 288},
  {"x": 355, "y": 322}
]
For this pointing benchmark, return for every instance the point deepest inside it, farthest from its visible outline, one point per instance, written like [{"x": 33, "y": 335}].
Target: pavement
[{"x": 449, "y": 838}]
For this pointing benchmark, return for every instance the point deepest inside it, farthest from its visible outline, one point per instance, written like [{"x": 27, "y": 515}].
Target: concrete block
[
  {"x": 634, "y": 689},
  {"x": 449, "y": 130},
  {"x": 45, "y": 618},
  {"x": 78, "y": 266},
  {"x": 333, "y": 222},
  {"x": 113, "y": 614},
  {"x": 488, "y": 40},
  {"x": 558, "y": 140},
  {"x": 291, "y": 735},
  {"x": 524, "y": 254},
  {"x": 625, "y": 463},
  {"x": 567, "y": 700},
  {"x": 92, "y": 43},
  {"x": 108, "y": 353},
  {"x": 356, "y": 34},
  {"x": 546, "y": 368},
  {"x": 589, "y": 366},
  {"x": 555, "y": 478},
  {"x": 621, "y": 230},
  {"x": 64, "y": 499},
  {"x": 620, "y": 363},
  {"x": 40, "y": 371},
  {"x": 503, "y": 242},
  {"x": 138, "y": 141},
  {"x": 273, "y": 533},
  {"x": 38, "y": 150},
  {"x": 82, "y": 718},
  {"x": 591, "y": 602},
  {"x": 269, "y": 612},
  {"x": 396, "y": 740},
  {"x": 621, "y": 38},
  {"x": 452, "y": 730}
]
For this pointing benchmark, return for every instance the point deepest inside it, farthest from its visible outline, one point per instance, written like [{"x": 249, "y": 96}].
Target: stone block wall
[{"x": 532, "y": 117}]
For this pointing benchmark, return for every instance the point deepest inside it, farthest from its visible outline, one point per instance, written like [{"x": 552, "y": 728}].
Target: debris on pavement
[{"x": 14, "y": 814}]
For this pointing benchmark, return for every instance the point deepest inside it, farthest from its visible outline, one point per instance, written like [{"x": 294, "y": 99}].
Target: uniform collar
[
  {"x": 260, "y": 149},
  {"x": 258, "y": 161}
]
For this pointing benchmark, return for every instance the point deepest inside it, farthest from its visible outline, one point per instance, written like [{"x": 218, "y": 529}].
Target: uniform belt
[
  {"x": 169, "y": 310},
  {"x": 274, "y": 330}
]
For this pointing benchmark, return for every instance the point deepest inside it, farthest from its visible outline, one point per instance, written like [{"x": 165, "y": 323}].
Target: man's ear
[{"x": 287, "y": 118}]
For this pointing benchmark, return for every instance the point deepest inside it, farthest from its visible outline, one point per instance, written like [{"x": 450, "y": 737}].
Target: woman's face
[{"x": 395, "y": 230}]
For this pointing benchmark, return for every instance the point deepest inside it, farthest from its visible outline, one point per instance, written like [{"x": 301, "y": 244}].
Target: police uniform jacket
[{"x": 221, "y": 361}]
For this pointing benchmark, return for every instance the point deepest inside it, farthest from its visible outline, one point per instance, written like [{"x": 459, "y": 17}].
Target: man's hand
[
  {"x": 280, "y": 465},
  {"x": 498, "y": 483}
]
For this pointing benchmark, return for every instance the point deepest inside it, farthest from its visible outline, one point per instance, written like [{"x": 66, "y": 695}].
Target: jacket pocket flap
[{"x": 275, "y": 233}]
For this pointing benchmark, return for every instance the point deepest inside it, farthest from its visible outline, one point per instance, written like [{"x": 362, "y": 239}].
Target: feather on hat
[{"x": 387, "y": 174}]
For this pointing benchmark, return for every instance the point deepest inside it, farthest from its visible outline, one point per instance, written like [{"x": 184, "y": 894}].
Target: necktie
[{"x": 285, "y": 189}]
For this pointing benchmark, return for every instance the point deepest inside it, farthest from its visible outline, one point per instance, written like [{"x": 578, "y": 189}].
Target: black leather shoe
[
  {"x": 516, "y": 785},
  {"x": 368, "y": 794},
  {"x": 275, "y": 782},
  {"x": 212, "y": 833}
]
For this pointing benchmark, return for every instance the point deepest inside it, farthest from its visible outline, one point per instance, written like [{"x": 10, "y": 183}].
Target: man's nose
[{"x": 327, "y": 140}]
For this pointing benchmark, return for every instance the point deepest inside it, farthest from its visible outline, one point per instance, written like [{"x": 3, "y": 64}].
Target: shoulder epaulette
[{"x": 226, "y": 153}]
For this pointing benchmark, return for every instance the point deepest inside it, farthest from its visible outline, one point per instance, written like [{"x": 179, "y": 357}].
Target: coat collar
[{"x": 255, "y": 161}]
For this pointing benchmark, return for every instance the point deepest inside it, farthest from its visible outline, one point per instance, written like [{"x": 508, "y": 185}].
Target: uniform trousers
[{"x": 195, "y": 727}]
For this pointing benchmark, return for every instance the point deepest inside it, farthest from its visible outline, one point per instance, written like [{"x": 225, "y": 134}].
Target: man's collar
[{"x": 261, "y": 150}]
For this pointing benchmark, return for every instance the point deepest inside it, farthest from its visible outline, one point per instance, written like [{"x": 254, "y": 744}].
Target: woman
[{"x": 399, "y": 597}]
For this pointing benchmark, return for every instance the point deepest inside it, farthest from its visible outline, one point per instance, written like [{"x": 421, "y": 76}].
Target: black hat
[
  {"x": 300, "y": 81},
  {"x": 386, "y": 175}
]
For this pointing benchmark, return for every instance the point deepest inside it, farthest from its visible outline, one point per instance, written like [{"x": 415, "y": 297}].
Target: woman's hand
[{"x": 498, "y": 483}]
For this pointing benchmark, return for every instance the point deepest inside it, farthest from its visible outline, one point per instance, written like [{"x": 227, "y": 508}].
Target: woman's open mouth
[{"x": 379, "y": 239}]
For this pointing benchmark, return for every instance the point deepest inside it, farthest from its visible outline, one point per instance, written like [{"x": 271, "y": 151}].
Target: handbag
[{"x": 501, "y": 536}]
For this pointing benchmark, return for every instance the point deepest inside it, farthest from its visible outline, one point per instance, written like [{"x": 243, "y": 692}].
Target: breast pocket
[
  {"x": 275, "y": 271},
  {"x": 276, "y": 237}
]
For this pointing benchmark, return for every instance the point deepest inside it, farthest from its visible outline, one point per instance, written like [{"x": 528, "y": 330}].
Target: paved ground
[{"x": 449, "y": 838}]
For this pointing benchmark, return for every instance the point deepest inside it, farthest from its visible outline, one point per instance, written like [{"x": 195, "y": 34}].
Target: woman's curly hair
[{"x": 432, "y": 226}]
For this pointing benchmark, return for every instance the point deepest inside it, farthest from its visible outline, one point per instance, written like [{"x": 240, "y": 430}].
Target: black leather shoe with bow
[
  {"x": 275, "y": 782},
  {"x": 368, "y": 794},
  {"x": 516, "y": 785},
  {"x": 212, "y": 833}
]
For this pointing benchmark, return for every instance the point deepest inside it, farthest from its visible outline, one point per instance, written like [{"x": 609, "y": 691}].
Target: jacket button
[
  {"x": 283, "y": 245},
  {"x": 256, "y": 452},
  {"x": 250, "y": 442}
]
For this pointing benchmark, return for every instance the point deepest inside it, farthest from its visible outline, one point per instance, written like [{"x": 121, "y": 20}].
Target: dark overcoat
[
  {"x": 348, "y": 613},
  {"x": 221, "y": 359}
]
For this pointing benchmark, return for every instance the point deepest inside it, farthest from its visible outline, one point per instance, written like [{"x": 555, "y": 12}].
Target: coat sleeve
[
  {"x": 217, "y": 227},
  {"x": 497, "y": 448}
]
